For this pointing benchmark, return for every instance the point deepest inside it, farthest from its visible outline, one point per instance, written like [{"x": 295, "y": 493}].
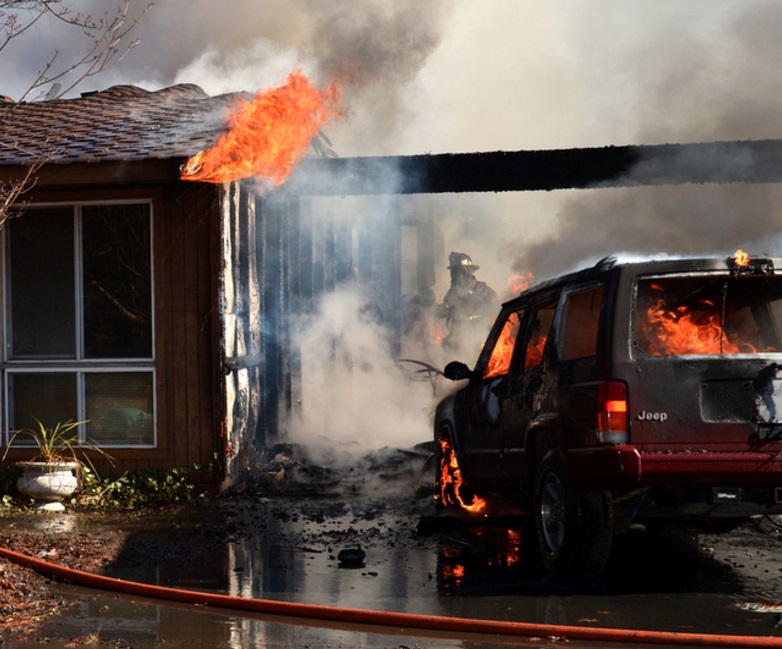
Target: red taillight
[{"x": 612, "y": 422}]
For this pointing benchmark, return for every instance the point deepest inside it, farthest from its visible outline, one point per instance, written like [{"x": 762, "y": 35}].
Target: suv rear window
[{"x": 708, "y": 314}]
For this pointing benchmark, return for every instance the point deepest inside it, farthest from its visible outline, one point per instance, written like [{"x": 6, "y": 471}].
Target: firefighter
[{"x": 469, "y": 306}]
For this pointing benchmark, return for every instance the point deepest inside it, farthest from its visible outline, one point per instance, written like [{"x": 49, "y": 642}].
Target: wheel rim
[{"x": 552, "y": 512}]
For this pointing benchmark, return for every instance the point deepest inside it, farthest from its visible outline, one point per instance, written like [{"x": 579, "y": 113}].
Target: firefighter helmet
[{"x": 461, "y": 260}]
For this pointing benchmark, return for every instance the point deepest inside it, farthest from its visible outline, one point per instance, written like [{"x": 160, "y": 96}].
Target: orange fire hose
[{"x": 387, "y": 618}]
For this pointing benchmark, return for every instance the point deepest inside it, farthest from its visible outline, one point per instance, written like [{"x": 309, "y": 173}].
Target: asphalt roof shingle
[{"x": 122, "y": 123}]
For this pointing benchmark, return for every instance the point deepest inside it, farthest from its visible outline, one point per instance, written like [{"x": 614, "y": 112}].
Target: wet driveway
[{"x": 289, "y": 549}]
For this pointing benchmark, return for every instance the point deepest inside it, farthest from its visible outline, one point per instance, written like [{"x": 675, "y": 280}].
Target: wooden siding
[{"x": 187, "y": 323}]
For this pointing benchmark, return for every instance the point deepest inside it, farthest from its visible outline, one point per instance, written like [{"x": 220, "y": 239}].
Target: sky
[{"x": 439, "y": 76}]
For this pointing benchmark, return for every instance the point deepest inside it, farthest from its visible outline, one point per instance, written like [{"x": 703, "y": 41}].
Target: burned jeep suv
[{"x": 624, "y": 393}]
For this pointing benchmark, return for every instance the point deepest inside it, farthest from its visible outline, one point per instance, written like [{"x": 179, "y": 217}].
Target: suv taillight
[{"x": 612, "y": 422}]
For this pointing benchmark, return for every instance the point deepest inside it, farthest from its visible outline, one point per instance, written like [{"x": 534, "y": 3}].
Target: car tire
[{"x": 573, "y": 529}]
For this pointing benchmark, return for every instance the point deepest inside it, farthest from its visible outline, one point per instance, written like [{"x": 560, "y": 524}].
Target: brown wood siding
[
  {"x": 186, "y": 253},
  {"x": 188, "y": 351}
]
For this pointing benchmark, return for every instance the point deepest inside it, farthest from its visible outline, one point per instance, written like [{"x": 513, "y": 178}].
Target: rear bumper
[{"x": 611, "y": 467}]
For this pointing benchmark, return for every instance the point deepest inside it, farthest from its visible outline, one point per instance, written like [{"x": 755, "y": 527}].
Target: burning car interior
[{"x": 724, "y": 314}]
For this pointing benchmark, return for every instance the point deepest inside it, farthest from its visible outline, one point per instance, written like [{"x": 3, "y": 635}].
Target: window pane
[
  {"x": 43, "y": 323},
  {"x": 49, "y": 396},
  {"x": 119, "y": 408},
  {"x": 117, "y": 281},
  {"x": 582, "y": 317},
  {"x": 539, "y": 334}
]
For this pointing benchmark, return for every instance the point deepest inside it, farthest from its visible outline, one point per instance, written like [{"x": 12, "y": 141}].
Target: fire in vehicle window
[
  {"x": 499, "y": 361},
  {"x": 538, "y": 335},
  {"x": 705, "y": 315}
]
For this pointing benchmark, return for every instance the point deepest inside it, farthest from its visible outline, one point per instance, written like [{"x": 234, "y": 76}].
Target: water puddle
[{"x": 289, "y": 550}]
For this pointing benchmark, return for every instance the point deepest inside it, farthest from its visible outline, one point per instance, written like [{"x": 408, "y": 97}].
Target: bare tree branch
[
  {"x": 108, "y": 36},
  {"x": 109, "y": 40},
  {"x": 11, "y": 193}
]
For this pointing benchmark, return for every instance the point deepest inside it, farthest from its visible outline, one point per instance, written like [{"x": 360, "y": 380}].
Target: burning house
[
  {"x": 148, "y": 292},
  {"x": 157, "y": 299}
]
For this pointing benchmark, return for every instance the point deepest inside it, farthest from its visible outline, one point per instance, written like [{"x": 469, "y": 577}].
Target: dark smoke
[{"x": 722, "y": 81}]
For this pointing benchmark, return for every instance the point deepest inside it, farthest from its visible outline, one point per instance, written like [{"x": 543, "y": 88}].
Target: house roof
[{"x": 122, "y": 123}]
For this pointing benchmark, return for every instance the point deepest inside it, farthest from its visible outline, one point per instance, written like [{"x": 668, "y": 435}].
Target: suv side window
[
  {"x": 499, "y": 361},
  {"x": 538, "y": 334},
  {"x": 581, "y": 320}
]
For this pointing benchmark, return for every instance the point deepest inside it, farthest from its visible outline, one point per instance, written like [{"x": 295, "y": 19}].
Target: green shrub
[{"x": 145, "y": 487}]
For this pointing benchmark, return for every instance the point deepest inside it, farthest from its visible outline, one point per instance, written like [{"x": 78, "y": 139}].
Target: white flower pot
[{"x": 48, "y": 483}]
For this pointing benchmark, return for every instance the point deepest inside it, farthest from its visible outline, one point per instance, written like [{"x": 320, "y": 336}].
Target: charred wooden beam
[{"x": 752, "y": 161}]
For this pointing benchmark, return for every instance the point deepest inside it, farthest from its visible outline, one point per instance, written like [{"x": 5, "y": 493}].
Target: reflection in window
[
  {"x": 116, "y": 281},
  {"x": 119, "y": 408}
]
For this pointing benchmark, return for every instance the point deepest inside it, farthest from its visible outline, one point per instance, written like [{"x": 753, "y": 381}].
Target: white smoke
[{"x": 355, "y": 397}]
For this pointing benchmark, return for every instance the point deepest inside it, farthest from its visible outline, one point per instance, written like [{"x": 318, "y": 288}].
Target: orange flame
[
  {"x": 268, "y": 135},
  {"x": 694, "y": 329},
  {"x": 741, "y": 258},
  {"x": 535, "y": 351},
  {"x": 453, "y": 573},
  {"x": 499, "y": 363},
  {"x": 451, "y": 481},
  {"x": 514, "y": 548},
  {"x": 518, "y": 283},
  {"x": 437, "y": 332}
]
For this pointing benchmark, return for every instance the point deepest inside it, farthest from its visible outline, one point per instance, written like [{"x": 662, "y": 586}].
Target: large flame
[
  {"x": 268, "y": 135},
  {"x": 687, "y": 329}
]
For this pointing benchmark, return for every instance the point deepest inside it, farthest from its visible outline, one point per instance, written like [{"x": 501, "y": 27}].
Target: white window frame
[{"x": 79, "y": 365}]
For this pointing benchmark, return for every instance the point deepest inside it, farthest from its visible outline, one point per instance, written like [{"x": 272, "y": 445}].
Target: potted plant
[{"x": 53, "y": 474}]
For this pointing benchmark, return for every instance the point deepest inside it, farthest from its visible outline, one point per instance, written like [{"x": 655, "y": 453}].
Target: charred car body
[{"x": 624, "y": 393}]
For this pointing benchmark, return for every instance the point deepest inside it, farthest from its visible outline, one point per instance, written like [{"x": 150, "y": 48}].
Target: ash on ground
[
  {"x": 290, "y": 469},
  {"x": 378, "y": 500}
]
